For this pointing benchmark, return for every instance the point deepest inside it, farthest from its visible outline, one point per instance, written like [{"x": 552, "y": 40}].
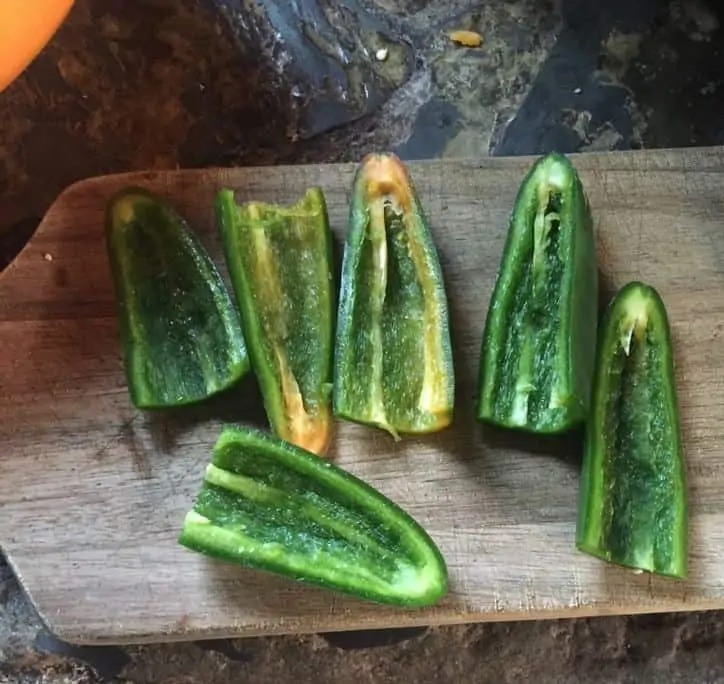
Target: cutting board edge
[
  {"x": 94, "y": 637},
  {"x": 433, "y": 616}
]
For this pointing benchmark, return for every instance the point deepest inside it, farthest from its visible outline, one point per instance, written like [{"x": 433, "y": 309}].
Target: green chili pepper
[
  {"x": 268, "y": 504},
  {"x": 393, "y": 359},
  {"x": 539, "y": 343},
  {"x": 632, "y": 508},
  {"x": 180, "y": 331},
  {"x": 280, "y": 262}
]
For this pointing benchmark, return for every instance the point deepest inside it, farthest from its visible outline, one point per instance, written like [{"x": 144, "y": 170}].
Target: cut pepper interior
[
  {"x": 393, "y": 361},
  {"x": 279, "y": 259}
]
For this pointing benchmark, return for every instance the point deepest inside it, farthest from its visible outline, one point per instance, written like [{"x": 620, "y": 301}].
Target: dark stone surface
[{"x": 166, "y": 83}]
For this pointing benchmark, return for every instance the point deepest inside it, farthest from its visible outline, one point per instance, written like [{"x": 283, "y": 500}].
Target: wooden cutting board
[{"x": 93, "y": 493}]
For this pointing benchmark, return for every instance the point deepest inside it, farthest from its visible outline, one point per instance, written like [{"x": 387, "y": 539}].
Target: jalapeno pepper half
[
  {"x": 632, "y": 506},
  {"x": 539, "y": 342},
  {"x": 280, "y": 262},
  {"x": 267, "y": 504},
  {"x": 180, "y": 331},
  {"x": 393, "y": 359}
]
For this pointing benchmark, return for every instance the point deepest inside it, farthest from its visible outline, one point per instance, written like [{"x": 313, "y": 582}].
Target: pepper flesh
[
  {"x": 539, "y": 343},
  {"x": 180, "y": 331},
  {"x": 267, "y": 504},
  {"x": 393, "y": 360},
  {"x": 280, "y": 262},
  {"x": 632, "y": 506}
]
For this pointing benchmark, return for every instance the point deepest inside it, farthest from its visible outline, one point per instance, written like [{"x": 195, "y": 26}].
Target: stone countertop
[{"x": 167, "y": 83}]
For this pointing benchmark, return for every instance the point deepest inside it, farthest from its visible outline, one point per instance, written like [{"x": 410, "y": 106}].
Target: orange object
[
  {"x": 467, "y": 38},
  {"x": 26, "y": 26}
]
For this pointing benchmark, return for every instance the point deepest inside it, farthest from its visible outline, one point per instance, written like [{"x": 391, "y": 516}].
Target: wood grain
[{"x": 93, "y": 493}]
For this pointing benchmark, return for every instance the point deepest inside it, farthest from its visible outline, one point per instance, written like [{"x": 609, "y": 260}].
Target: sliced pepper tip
[
  {"x": 632, "y": 502},
  {"x": 538, "y": 343},
  {"x": 554, "y": 172},
  {"x": 393, "y": 362},
  {"x": 379, "y": 552},
  {"x": 150, "y": 247},
  {"x": 384, "y": 174},
  {"x": 279, "y": 260}
]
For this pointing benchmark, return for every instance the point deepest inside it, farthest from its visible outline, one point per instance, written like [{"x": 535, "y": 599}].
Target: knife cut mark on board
[{"x": 126, "y": 437}]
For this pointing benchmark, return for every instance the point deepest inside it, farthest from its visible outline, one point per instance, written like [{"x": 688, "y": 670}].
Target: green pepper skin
[
  {"x": 180, "y": 330},
  {"x": 267, "y": 504},
  {"x": 280, "y": 262},
  {"x": 632, "y": 505},
  {"x": 393, "y": 357},
  {"x": 539, "y": 343}
]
